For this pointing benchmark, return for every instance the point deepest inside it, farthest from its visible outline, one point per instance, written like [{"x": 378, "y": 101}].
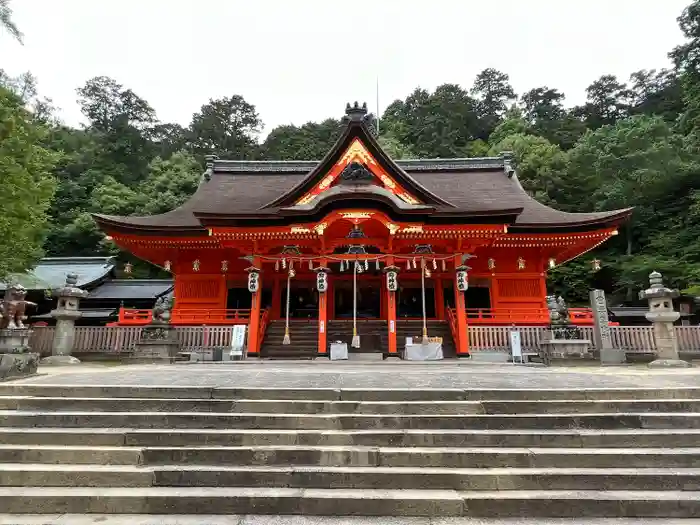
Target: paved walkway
[
  {"x": 400, "y": 375},
  {"x": 94, "y": 519}
]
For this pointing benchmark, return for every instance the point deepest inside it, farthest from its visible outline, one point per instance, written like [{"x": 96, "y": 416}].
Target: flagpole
[{"x": 377, "y": 106}]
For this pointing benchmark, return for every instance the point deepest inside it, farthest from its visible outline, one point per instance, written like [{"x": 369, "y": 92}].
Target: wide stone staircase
[{"x": 191, "y": 450}]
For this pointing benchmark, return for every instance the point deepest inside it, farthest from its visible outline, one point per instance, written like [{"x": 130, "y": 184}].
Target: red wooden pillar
[
  {"x": 254, "y": 321},
  {"x": 462, "y": 342},
  {"x": 439, "y": 299},
  {"x": 390, "y": 311},
  {"x": 276, "y": 310},
  {"x": 323, "y": 319}
]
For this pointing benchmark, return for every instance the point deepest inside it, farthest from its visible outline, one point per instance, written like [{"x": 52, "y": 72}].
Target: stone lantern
[
  {"x": 67, "y": 312},
  {"x": 662, "y": 316}
]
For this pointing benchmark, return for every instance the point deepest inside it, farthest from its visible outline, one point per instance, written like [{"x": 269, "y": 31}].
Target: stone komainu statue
[
  {"x": 14, "y": 305},
  {"x": 162, "y": 308}
]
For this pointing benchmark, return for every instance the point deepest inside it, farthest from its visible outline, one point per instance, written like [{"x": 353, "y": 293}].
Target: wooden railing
[{"x": 113, "y": 340}]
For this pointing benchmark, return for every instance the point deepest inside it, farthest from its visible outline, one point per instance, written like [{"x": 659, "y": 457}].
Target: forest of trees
[{"x": 634, "y": 142}]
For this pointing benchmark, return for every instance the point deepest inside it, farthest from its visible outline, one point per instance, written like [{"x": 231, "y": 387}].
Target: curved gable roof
[{"x": 234, "y": 192}]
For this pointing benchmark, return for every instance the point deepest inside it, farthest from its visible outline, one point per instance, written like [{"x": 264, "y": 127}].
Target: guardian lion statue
[{"x": 13, "y": 307}]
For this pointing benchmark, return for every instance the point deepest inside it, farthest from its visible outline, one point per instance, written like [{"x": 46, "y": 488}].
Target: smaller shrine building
[{"x": 354, "y": 214}]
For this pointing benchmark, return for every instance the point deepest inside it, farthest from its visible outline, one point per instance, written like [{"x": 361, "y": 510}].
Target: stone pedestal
[
  {"x": 555, "y": 350},
  {"x": 14, "y": 340},
  {"x": 662, "y": 315},
  {"x": 158, "y": 344},
  {"x": 15, "y": 358},
  {"x": 18, "y": 365},
  {"x": 66, "y": 314}
]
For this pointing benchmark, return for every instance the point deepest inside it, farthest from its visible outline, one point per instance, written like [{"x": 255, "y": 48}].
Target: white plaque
[{"x": 516, "y": 347}]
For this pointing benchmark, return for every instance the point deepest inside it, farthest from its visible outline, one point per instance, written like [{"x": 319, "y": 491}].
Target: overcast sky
[{"x": 301, "y": 60}]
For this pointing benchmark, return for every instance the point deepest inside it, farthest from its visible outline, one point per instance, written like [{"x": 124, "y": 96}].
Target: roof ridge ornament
[
  {"x": 209, "y": 165},
  {"x": 356, "y": 113},
  {"x": 508, "y": 165}
]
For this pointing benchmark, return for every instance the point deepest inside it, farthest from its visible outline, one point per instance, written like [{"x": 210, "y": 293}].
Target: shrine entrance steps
[
  {"x": 303, "y": 337},
  {"x": 340, "y": 452}
]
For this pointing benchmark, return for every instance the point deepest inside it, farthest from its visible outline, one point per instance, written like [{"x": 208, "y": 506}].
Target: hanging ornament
[
  {"x": 128, "y": 268},
  {"x": 311, "y": 265},
  {"x": 492, "y": 263},
  {"x": 366, "y": 264},
  {"x": 195, "y": 265},
  {"x": 414, "y": 263},
  {"x": 284, "y": 264},
  {"x": 462, "y": 278},
  {"x": 428, "y": 273},
  {"x": 595, "y": 264},
  {"x": 167, "y": 265},
  {"x": 392, "y": 278},
  {"x": 277, "y": 265},
  {"x": 444, "y": 266},
  {"x": 292, "y": 273},
  {"x": 434, "y": 264},
  {"x": 322, "y": 279},
  {"x": 408, "y": 264},
  {"x": 224, "y": 266},
  {"x": 521, "y": 263},
  {"x": 253, "y": 279},
  {"x": 291, "y": 264},
  {"x": 376, "y": 264},
  {"x": 552, "y": 263}
]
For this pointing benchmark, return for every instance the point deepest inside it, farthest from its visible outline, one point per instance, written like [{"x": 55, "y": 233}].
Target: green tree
[
  {"x": 27, "y": 186},
  {"x": 121, "y": 122},
  {"x": 310, "y": 141},
  {"x": 638, "y": 162},
  {"x": 6, "y": 22},
  {"x": 686, "y": 58},
  {"x": 227, "y": 127},
  {"x": 493, "y": 93},
  {"x": 438, "y": 124},
  {"x": 608, "y": 101}
]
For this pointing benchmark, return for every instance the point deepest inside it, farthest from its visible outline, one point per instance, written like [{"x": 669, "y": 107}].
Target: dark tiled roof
[
  {"x": 132, "y": 289},
  {"x": 247, "y": 190},
  {"x": 51, "y": 272}
]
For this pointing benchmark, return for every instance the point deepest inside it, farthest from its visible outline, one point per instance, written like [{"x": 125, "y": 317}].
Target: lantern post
[
  {"x": 461, "y": 286},
  {"x": 392, "y": 285},
  {"x": 254, "y": 321},
  {"x": 322, "y": 287}
]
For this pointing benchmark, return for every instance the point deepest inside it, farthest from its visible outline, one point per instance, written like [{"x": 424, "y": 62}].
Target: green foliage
[
  {"x": 6, "y": 22},
  {"x": 26, "y": 186},
  {"x": 226, "y": 127},
  {"x": 308, "y": 142}
]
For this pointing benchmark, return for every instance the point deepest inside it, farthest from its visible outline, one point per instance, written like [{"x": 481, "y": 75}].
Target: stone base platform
[{"x": 18, "y": 365}]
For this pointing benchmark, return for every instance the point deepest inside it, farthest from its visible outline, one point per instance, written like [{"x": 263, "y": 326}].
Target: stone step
[
  {"x": 233, "y": 420},
  {"x": 347, "y": 502},
  {"x": 28, "y": 403},
  {"x": 311, "y": 477},
  {"x": 348, "y": 394},
  {"x": 114, "y": 437},
  {"x": 452, "y": 457},
  {"x": 241, "y": 406}
]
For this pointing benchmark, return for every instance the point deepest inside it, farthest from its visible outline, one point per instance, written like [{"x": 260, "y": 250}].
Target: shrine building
[{"x": 398, "y": 247}]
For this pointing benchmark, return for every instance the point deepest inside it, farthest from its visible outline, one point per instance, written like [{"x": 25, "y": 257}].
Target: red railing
[
  {"x": 496, "y": 316},
  {"x": 264, "y": 319},
  {"x": 452, "y": 321},
  {"x": 132, "y": 316}
]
